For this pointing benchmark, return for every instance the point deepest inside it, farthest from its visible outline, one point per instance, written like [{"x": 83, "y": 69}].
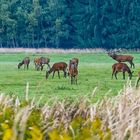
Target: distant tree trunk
[
  {"x": 28, "y": 44},
  {"x": 45, "y": 42},
  {"x": 33, "y": 41},
  {"x": 14, "y": 42},
  {"x": 1, "y": 45}
]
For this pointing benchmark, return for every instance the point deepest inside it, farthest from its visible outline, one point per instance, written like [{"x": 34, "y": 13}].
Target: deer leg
[
  {"x": 137, "y": 82},
  {"x": 116, "y": 75},
  {"x": 53, "y": 74},
  {"x": 41, "y": 67},
  {"x": 123, "y": 75},
  {"x": 58, "y": 74},
  {"x": 76, "y": 80},
  {"x": 133, "y": 64},
  {"x": 113, "y": 74},
  {"x": 65, "y": 73},
  {"x": 27, "y": 66},
  {"x": 37, "y": 67},
  {"x": 71, "y": 80},
  {"x": 49, "y": 66}
]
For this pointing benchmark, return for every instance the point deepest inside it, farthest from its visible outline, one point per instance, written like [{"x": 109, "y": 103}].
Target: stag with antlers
[{"x": 122, "y": 58}]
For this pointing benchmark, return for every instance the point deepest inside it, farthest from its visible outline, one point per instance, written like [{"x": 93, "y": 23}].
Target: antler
[{"x": 117, "y": 50}]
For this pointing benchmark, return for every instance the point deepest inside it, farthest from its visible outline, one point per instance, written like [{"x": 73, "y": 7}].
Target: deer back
[
  {"x": 59, "y": 66},
  {"x": 26, "y": 60},
  {"x": 123, "y": 58}
]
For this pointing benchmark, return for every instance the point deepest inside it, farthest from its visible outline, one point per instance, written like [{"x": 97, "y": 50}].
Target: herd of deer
[
  {"x": 122, "y": 67},
  {"x": 73, "y": 66},
  {"x": 60, "y": 66}
]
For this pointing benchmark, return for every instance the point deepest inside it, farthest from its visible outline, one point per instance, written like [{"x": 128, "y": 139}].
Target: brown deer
[
  {"x": 122, "y": 58},
  {"x": 24, "y": 62},
  {"x": 40, "y": 62},
  {"x": 36, "y": 62},
  {"x": 75, "y": 61},
  {"x": 57, "y": 67},
  {"x": 73, "y": 71},
  {"x": 121, "y": 67}
]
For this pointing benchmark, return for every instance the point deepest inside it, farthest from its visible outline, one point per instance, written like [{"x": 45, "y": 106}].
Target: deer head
[{"x": 19, "y": 65}]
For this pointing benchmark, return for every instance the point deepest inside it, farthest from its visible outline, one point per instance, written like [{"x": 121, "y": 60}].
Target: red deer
[
  {"x": 36, "y": 62},
  {"x": 122, "y": 58},
  {"x": 24, "y": 62},
  {"x": 121, "y": 67},
  {"x": 57, "y": 67},
  {"x": 40, "y": 62},
  {"x": 73, "y": 71},
  {"x": 74, "y": 61}
]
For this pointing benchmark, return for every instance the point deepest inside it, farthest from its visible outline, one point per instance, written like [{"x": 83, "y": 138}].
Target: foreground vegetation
[
  {"x": 94, "y": 72},
  {"x": 112, "y": 118}
]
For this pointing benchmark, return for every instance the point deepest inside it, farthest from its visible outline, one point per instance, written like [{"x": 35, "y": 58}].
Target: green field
[{"x": 94, "y": 71}]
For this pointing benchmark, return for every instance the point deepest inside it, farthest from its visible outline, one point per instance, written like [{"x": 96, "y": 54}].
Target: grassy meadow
[{"x": 94, "y": 72}]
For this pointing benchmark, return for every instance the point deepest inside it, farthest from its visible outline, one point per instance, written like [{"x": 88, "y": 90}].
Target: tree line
[{"x": 70, "y": 23}]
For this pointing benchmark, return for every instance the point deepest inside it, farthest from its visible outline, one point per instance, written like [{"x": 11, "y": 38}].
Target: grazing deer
[
  {"x": 57, "y": 67},
  {"x": 73, "y": 71},
  {"x": 122, "y": 58},
  {"x": 121, "y": 67},
  {"x": 24, "y": 62},
  {"x": 40, "y": 62}
]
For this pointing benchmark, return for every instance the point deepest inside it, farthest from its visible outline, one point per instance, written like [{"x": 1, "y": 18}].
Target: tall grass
[{"x": 112, "y": 118}]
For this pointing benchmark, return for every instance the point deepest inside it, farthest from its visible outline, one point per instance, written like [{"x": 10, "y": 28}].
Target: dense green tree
[{"x": 70, "y": 23}]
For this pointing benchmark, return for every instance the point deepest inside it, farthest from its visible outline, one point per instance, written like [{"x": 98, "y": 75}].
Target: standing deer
[
  {"x": 57, "y": 67},
  {"x": 37, "y": 62},
  {"x": 73, "y": 71},
  {"x": 121, "y": 67},
  {"x": 75, "y": 61},
  {"x": 122, "y": 58},
  {"x": 24, "y": 62},
  {"x": 40, "y": 62}
]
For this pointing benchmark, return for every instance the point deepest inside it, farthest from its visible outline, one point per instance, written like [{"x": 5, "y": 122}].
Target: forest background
[{"x": 70, "y": 24}]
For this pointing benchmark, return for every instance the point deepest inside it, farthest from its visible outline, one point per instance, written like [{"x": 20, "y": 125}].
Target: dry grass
[
  {"x": 54, "y": 50},
  {"x": 121, "y": 113},
  {"x": 48, "y": 50}
]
